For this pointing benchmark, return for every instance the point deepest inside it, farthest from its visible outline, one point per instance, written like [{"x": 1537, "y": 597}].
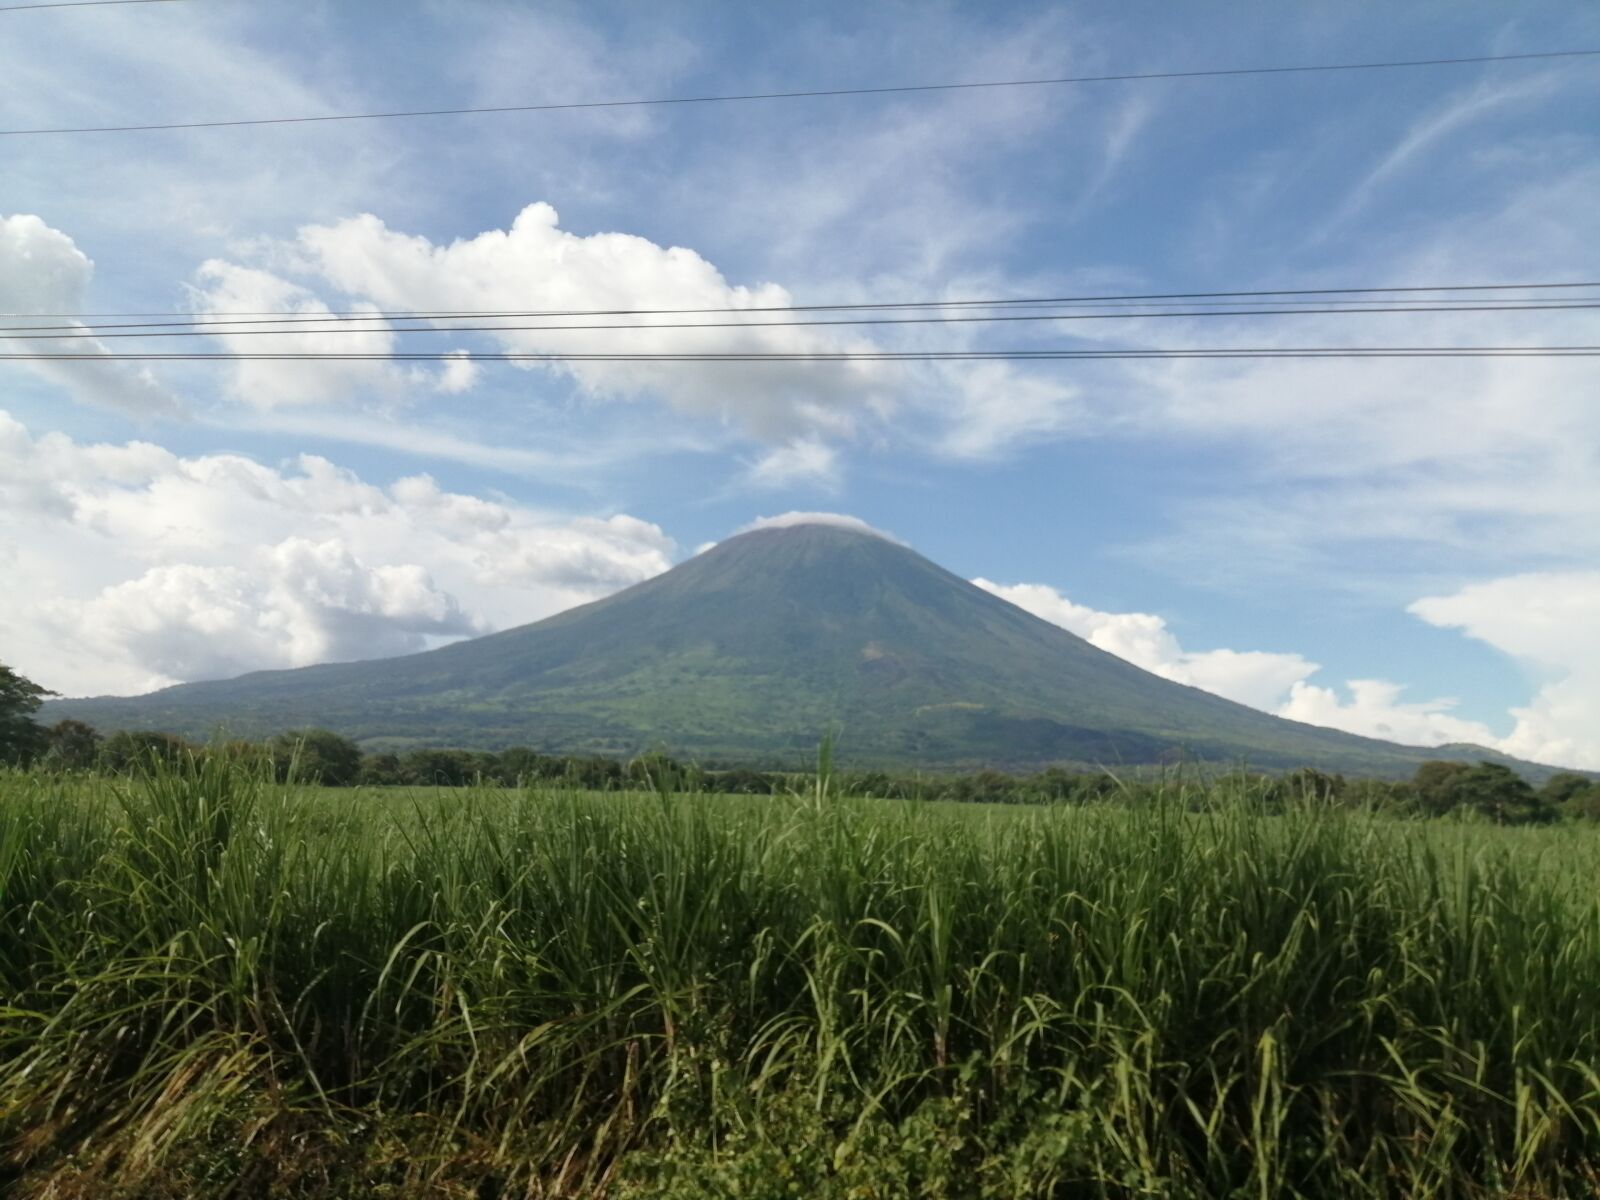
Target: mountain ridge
[{"x": 748, "y": 652}]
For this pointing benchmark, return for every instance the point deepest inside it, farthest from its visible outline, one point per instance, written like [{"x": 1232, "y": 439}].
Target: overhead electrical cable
[
  {"x": 5, "y": 8},
  {"x": 296, "y": 331},
  {"x": 1392, "y": 295},
  {"x": 736, "y": 356},
  {"x": 319, "y": 323},
  {"x": 815, "y": 93}
]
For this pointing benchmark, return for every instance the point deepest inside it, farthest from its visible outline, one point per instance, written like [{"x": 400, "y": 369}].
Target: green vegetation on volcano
[{"x": 748, "y": 652}]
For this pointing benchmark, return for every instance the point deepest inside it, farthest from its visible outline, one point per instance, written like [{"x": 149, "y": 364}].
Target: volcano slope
[{"x": 748, "y": 653}]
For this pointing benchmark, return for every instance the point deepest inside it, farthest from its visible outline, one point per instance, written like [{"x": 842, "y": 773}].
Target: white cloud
[
  {"x": 1374, "y": 709},
  {"x": 429, "y": 440},
  {"x": 838, "y": 520},
  {"x": 505, "y": 47},
  {"x": 1254, "y": 677},
  {"x": 807, "y": 461},
  {"x": 1335, "y": 475},
  {"x": 987, "y": 408},
  {"x": 147, "y": 568},
  {"x": 290, "y": 605},
  {"x": 1544, "y": 620},
  {"x": 459, "y": 374},
  {"x": 1460, "y": 111},
  {"x": 537, "y": 266},
  {"x": 166, "y": 193},
  {"x": 1124, "y": 128},
  {"x": 1548, "y": 621},
  {"x": 901, "y": 186},
  {"x": 43, "y": 271},
  {"x": 224, "y": 288}
]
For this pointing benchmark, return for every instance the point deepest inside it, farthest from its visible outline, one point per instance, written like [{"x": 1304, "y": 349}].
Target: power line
[
  {"x": 279, "y": 317},
  {"x": 1271, "y": 352},
  {"x": 77, "y": 4},
  {"x": 88, "y": 333},
  {"x": 227, "y": 317},
  {"x": 1129, "y": 77}
]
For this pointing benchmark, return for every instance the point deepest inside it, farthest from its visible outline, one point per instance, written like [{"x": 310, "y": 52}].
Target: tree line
[{"x": 1489, "y": 790}]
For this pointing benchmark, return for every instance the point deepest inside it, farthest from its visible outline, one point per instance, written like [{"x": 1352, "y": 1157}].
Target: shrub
[{"x": 317, "y": 755}]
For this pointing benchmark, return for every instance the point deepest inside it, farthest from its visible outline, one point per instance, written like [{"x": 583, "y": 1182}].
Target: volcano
[{"x": 749, "y": 653}]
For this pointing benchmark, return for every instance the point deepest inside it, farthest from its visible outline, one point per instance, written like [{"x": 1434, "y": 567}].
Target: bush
[
  {"x": 317, "y": 755},
  {"x": 127, "y": 749},
  {"x": 1584, "y": 805},
  {"x": 380, "y": 770},
  {"x": 441, "y": 768},
  {"x": 520, "y": 765},
  {"x": 1564, "y": 786},
  {"x": 1487, "y": 789},
  {"x": 71, "y": 746},
  {"x": 1307, "y": 785}
]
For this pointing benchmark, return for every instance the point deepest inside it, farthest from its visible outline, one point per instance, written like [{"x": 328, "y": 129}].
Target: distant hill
[{"x": 749, "y": 652}]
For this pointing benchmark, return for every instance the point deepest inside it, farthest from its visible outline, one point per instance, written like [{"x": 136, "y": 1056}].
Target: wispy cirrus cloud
[{"x": 1479, "y": 102}]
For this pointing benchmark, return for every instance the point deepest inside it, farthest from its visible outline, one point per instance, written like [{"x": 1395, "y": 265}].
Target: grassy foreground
[{"x": 212, "y": 986}]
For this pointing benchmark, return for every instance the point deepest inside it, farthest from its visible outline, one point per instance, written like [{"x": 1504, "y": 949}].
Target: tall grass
[{"x": 211, "y": 985}]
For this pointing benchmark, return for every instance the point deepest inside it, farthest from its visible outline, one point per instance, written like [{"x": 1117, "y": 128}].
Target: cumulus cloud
[
  {"x": 290, "y": 605},
  {"x": 223, "y": 288},
  {"x": 536, "y": 266},
  {"x": 1547, "y": 621},
  {"x": 1374, "y": 708},
  {"x": 1543, "y": 620},
  {"x": 1253, "y": 677},
  {"x": 148, "y": 568},
  {"x": 43, "y": 271},
  {"x": 459, "y": 374},
  {"x": 838, "y": 520}
]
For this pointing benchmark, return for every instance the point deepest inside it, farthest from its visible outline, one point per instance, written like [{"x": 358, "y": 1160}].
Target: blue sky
[{"x": 1272, "y": 531}]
